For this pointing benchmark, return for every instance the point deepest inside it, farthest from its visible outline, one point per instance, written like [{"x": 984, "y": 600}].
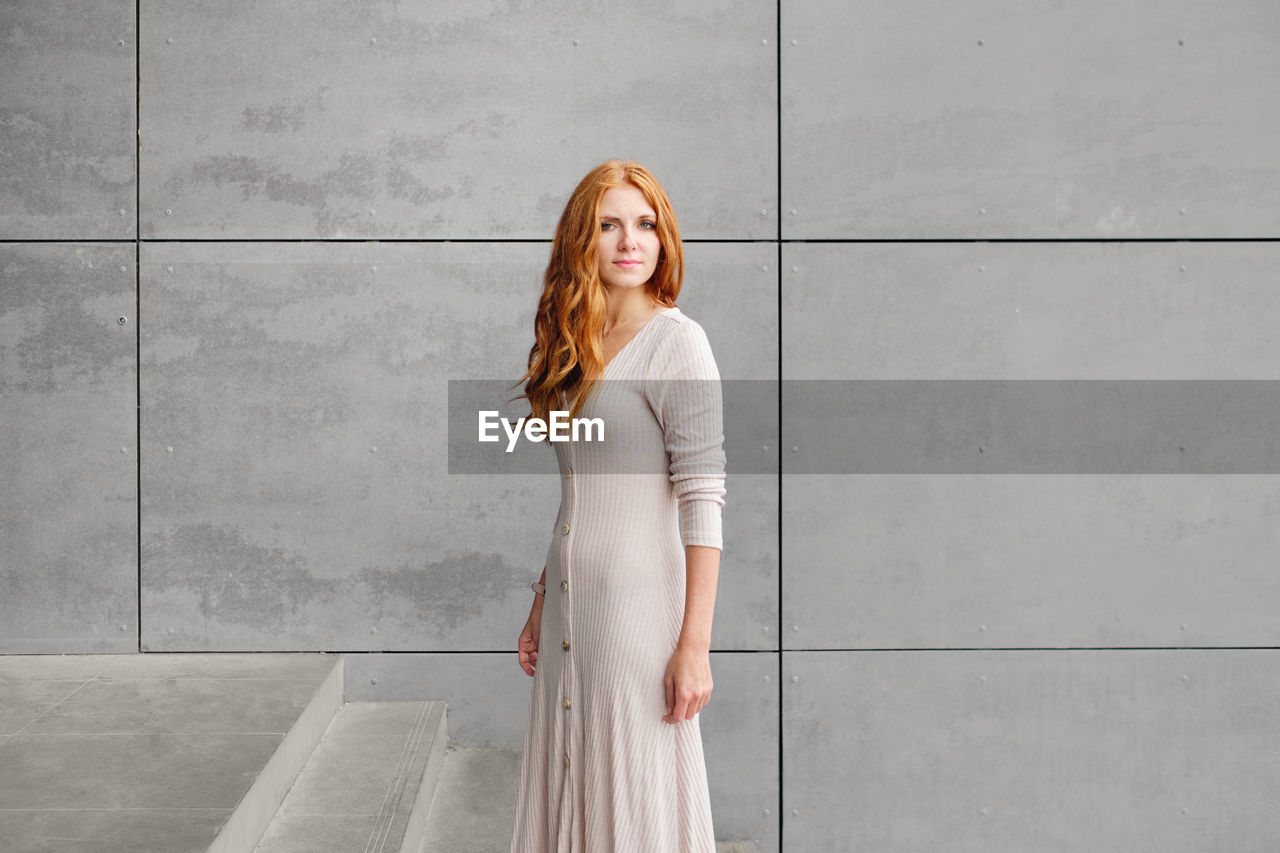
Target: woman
[{"x": 619, "y": 632}]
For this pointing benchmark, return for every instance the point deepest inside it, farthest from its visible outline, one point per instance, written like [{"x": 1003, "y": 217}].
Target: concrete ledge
[
  {"x": 416, "y": 829},
  {"x": 256, "y": 808}
]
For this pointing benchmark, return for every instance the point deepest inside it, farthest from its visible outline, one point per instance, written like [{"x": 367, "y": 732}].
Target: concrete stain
[
  {"x": 256, "y": 178},
  {"x": 276, "y": 118},
  {"x": 446, "y": 592},
  {"x": 62, "y": 335},
  {"x": 236, "y": 580}
]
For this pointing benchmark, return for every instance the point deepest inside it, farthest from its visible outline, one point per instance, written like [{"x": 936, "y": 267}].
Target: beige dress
[{"x": 602, "y": 772}]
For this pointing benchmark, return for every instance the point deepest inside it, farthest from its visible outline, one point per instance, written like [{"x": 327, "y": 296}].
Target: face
[{"x": 628, "y": 245}]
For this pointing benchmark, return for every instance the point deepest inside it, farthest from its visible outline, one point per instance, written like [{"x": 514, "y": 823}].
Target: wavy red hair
[{"x": 567, "y": 357}]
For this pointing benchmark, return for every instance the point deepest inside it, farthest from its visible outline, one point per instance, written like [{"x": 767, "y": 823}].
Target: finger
[
  {"x": 671, "y": 695},
  {"x": 680, "y": 714}
]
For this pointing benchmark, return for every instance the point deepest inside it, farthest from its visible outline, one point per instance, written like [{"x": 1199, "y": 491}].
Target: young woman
[{"x": 619, "y": 633}]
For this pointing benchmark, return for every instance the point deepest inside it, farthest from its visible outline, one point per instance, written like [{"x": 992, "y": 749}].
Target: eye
[
  {"x": 605, "y": 226},
  {"x": 648, "y": 224}
]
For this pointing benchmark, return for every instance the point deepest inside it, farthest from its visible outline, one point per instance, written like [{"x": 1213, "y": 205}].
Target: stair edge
[{"x": 257, "y": 808}]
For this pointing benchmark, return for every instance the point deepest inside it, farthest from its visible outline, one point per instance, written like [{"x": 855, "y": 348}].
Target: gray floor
[{"x": 97, "y": 752}]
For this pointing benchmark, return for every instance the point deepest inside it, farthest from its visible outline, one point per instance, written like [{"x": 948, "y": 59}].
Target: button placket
[{"x": 566, "y": 610}]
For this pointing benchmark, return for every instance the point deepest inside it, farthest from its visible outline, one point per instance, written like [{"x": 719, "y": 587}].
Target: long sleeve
[{"x": 683, "y": 389}]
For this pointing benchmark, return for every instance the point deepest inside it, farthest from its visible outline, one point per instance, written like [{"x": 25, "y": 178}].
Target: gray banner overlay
[{"x": 1034, "y": 426}]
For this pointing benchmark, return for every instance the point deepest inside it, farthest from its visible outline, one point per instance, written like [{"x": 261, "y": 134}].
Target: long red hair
[{"x": 567, "y": 357}]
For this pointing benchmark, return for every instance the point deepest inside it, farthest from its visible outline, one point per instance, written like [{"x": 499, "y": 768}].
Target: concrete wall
[{"x": 225, "y": 346}]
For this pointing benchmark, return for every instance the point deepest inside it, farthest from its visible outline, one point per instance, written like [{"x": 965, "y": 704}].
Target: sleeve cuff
[{"x": 702, "y": 524}]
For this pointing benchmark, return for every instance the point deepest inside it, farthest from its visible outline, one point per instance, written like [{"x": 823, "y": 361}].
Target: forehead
[{"x": 626, "y": 199}]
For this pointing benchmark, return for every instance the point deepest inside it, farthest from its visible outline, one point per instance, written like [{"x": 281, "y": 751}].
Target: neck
[{"x": 627, "y": 305}]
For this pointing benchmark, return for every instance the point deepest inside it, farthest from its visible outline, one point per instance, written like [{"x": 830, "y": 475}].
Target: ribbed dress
[{"x": 602, "y": 772}]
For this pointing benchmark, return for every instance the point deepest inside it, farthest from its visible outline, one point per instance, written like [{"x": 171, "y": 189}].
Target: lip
[{"x": 627, "y": 264}]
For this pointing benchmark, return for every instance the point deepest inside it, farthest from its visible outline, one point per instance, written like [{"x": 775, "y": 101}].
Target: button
[
  {"x": 566, "y": 761},
  {"x": 564, "y": 584},
  {"x": 565, "y": 644},
  {"x": 565, "y": 530},
  {"x": 568, "y": 472},
  {"x": 566, "y": 703}
]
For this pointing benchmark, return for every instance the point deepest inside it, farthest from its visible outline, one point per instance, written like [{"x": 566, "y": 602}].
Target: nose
[{"x": 626, "y": 237}]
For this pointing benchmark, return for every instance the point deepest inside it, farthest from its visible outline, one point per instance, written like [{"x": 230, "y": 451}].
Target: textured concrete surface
[
  {"x": 68, "y": 468},
  {"x": 968, "y": 751},
  {"x": 475, "y": 803},
  {"x": 420, "y": 119},
  {"x": 259, "y": 804},
  {"x": 68, "y": 120},
  {"x": 983, "y": 561},
  {"x": 488, "y": 693},
  {"x": 359, "y": 787},
  {"x": 1041, "y": 119},
  {"x": 740, "y": 734},
  {"x": 295, "y": 487},
  {"x": 133, "y": 753},
  {"x": 1203, "y": 310},
  {"x": 940, "y": 560}
]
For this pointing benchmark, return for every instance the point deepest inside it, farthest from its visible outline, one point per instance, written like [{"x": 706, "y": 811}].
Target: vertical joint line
[
  {"x": 137, "y": 289},
  {"x": 777, "y": 42}
]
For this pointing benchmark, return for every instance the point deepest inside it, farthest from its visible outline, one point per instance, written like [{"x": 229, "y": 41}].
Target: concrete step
[
  {"x": 474, "y": 808},
  {"x": 368, "y": 785},
  {"x": 158, "y": 752}
]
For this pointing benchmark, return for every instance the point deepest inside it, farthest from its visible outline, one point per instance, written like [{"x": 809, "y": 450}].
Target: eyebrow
[{"x": 641, "y": 216}]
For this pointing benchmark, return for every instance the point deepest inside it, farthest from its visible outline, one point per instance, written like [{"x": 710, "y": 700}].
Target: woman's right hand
[{"x": 528, "y": 642}]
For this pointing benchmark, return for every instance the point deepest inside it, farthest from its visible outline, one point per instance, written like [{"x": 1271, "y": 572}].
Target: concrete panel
[
  {"x": 295, "y": 493},
  {"x": 488, "y": 699},
  {"x": 454, "y": 119},
  {"x": 1031, "y": 311},
  {"x": 1040, "y": 119},
  {"x": 68, "y": 504},
  {"x": 740, "y": 731},
  {"x": 68, "y": 119},
  {"x": 969, "y": 561},
  {"x": 962, "y": 561},
  {"x": 999, "y": 752}
]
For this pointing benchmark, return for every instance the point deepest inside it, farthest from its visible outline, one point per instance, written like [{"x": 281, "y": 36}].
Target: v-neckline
[{"x": 642, "y": 330}]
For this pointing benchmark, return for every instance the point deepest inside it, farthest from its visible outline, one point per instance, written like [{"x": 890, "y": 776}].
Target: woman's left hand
[{"x": 688, "y": 683}]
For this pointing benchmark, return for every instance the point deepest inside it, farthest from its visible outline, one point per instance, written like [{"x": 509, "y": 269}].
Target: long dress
[{"x": 602, "y": 772}]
